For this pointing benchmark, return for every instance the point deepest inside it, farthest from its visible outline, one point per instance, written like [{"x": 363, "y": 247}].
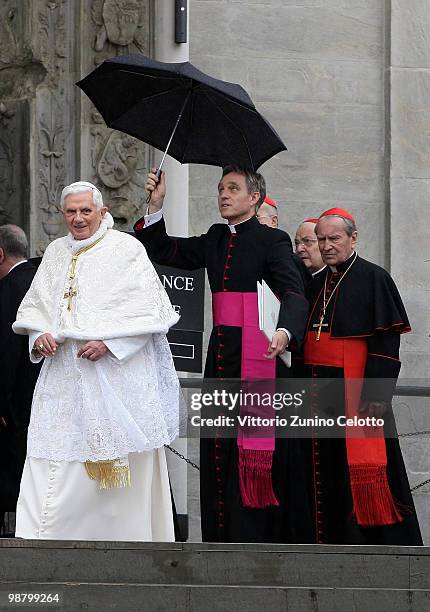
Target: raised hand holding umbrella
[{"x": 155, "y": 186}]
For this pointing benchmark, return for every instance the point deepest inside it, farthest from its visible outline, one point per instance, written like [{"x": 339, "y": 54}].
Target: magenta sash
[{"x": 237, "y": 309}]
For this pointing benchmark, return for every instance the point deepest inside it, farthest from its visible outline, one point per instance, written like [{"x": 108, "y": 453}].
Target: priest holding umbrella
[
  {"x": 199, "y": 119},
  {"x": 245, "y": 489}
]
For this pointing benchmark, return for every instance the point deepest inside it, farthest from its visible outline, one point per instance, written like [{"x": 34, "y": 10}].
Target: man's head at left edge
[{"x": 83, "y": 209}]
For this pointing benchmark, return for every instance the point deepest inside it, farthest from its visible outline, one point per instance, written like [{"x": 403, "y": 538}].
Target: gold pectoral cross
[
  {"x": 320, "y": 325},
  {"x": 70, "y": 294}
]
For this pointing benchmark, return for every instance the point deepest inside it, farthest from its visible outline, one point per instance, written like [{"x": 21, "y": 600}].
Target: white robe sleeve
[{"x": 124, "y": 348}]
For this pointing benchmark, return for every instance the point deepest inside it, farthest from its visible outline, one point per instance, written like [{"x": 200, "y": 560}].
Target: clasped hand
[{"x": 93, "y": 350}]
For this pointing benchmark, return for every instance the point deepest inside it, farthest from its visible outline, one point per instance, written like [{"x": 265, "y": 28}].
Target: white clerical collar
[
  {"x": 350, "y": 259},
  {"x": 232, "y": 227},
  {"x": 318, "y": 271},
  {"x": 18, "y": 263},
  {"x": 76, "y": 245}
]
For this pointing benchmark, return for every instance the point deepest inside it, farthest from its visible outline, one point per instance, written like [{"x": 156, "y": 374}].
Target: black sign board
[{"x": 186, "y": 290}]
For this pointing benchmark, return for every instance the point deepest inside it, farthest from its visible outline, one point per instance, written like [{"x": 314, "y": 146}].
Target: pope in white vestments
[{"x": 107, "y": 398}]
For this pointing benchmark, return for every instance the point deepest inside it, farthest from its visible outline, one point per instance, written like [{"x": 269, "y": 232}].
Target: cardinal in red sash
[{"x": 360, "y": 489}]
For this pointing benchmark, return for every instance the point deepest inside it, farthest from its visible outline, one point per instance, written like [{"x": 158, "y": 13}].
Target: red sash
[
  {"x": 237, "y": 309},
  {"x": 373, "y": 502}
]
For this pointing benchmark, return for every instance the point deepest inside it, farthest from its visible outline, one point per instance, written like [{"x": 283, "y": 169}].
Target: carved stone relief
[
  {"x": 20, "y": 74},
  {"x": 48, "y": 126},
  {"x": 7, "y": 158},
  {"x": 55, "y": 110},
  {"x": 35, "y": 78},
  {"x": 53, "y": 40},
  {"x": 14, "y": 162},
  {"x": 120, "y": 23},
  {"x": 52, "y": 171},
  {"x": 119, "y": 162}
]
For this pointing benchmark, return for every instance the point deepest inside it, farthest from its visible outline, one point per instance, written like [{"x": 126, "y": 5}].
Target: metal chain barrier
[
  {"x": 404, "y": 435},
  {"x": 175, "y": 452},
  {"x": 408, "y": 435},
  {"x": 414, "y": 433},
  {"x": 418, "y": 486},
  {"x": 400, "y": 391}
]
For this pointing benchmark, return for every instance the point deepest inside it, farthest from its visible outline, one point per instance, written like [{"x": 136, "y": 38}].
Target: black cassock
[
  {"x": 234, "y": 263},
  {"x": 365, "y": 305},
  {"x": 18, "y": 377}
]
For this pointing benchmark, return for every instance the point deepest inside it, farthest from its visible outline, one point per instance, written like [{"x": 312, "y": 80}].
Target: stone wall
[
  {"x": 315, "y": 69},
  {"x": 409, "y": 220}
]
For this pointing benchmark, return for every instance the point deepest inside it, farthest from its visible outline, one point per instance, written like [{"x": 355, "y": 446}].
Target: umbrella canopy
[{"x": 219, "y": 124}]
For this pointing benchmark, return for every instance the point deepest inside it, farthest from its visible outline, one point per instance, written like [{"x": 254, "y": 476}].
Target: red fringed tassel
[
  {"x": 373, "y": 501},
  {"x": 255, "y": 478}
]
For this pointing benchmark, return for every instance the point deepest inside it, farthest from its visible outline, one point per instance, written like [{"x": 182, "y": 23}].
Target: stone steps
[
  {"x": 193, "y": 577},
  {"x": 191, "y": 598}
]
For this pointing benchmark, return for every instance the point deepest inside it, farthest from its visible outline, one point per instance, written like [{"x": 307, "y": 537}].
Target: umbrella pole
[{"x": 158, "y": 171}]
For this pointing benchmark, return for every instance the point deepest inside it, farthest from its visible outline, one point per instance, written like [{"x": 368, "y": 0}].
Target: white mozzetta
[
  {"x": 118, "y": 291},
  {"x": 84, "y": 410}
]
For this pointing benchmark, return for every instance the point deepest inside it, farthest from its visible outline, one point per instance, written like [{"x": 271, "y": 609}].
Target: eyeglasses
[{"x": 307, "y": 242}]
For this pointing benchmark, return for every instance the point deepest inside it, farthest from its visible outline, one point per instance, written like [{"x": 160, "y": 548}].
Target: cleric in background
[
  {"x": 267, "y": 212},
  {"x": 359, "y": 484},
  {"x": 17, "y": 374},
  {"x": 306, "y": 245}
]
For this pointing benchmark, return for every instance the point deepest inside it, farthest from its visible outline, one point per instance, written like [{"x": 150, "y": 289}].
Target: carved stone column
[
  {"x": 20, "y": 74},
  {"x": 52, "y": 118}
]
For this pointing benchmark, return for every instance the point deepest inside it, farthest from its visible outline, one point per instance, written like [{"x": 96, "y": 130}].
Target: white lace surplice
[{"x": 84, "y": 410}]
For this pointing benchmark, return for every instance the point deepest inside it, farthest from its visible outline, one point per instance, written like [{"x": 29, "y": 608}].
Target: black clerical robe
[
  {"x": 234, "y": 263},
  {"x": 364, "y": 315},
  {"x": 17, "y": 380}
]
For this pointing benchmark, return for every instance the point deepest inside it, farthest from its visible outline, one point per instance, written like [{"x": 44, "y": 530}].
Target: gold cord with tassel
[{"x": 110, "y": 473}]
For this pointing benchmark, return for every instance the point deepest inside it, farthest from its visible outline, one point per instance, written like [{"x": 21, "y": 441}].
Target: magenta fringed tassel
[{"x": 255, "y": 478}]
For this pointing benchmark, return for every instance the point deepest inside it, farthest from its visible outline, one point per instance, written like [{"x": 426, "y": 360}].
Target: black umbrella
[{"x": 179, "y": 109}]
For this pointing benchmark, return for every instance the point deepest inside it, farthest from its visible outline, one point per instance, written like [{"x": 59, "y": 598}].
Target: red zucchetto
[
  {"x": 310, "y": 221},
  {"x": 271, "y": 202},
  {"x": 339, "y": 212}
]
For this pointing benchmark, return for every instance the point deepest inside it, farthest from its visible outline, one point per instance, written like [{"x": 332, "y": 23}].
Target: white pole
[
  {"x": 167, "y": 50},
  {"x": 175, "y": 208}
]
